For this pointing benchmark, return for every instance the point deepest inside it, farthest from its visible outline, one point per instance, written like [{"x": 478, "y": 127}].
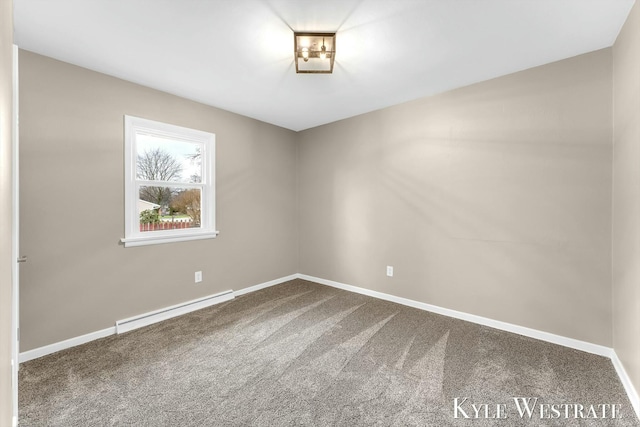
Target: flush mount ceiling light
[{"x": 314, "y": 52}]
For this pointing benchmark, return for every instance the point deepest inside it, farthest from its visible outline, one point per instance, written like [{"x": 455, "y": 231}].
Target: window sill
[{"x": 156, "y": 240}]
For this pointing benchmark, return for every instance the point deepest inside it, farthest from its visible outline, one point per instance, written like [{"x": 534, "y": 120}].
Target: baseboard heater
[{"x": 146, "y": 319}]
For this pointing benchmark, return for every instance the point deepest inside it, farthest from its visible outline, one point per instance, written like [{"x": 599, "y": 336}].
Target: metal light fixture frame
[{"x": 314, "y": 51}]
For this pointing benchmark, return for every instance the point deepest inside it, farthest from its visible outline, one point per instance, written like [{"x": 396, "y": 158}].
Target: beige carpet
[{"x": 305, "y": 354}]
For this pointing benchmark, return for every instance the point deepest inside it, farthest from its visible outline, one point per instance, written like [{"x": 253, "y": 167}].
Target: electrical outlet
[
  {"x": 198, "y": 276},
  {"x": 389, "y": 271}
]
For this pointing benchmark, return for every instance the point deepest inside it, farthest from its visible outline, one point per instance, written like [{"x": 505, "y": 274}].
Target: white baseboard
[
  {"x": 626, "y": 382},
  {"x": 62, "y": 345},
  {"x": 199, "y": 303},
  {"x": 146, "y": 319},
  {"x": 266, "y": 285},
  {"x": 504, "y": 326}
]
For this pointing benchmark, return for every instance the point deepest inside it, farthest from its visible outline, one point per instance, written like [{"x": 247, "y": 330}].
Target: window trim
[{"x": 133, "y": 236}]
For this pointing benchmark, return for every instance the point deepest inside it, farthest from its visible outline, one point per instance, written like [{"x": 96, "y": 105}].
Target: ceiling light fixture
[{"x": 314, "y": 52}]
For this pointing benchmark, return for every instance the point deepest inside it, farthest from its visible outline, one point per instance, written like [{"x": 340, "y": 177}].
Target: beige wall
[
  {"x": 626, "y": 197},
  {"x": 6, "y": 216},
  {"x": 494, "y": 199},
  {"x": 79, "y": 279}
]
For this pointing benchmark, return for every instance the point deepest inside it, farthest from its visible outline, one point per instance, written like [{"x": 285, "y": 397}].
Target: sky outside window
[{"x": 186, "y": 153}]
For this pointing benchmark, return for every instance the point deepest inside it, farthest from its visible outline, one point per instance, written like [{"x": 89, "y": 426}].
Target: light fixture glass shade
[{"x": 314, "y": 52}]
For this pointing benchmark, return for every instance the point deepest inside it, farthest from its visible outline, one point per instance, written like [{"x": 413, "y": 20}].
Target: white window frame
[{"x": 134, "y": 126}]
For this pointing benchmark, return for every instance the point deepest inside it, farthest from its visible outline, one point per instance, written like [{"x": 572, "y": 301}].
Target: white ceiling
[{"x": 238, "y": 54}]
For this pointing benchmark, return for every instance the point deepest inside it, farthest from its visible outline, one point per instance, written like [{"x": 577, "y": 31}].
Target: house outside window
[{"x": 169, "y": 183}]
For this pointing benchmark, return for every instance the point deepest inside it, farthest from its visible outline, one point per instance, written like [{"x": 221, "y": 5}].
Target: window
[{"x": 169, "y": 183}]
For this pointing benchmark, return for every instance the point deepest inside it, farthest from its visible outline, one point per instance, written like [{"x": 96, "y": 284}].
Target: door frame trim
[{"x": 15, "y": 236}]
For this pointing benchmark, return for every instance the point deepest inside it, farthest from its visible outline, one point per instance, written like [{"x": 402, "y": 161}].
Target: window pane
[
  {"x": 164, "y": 159},
  {"x": 168, "y": 208}
]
